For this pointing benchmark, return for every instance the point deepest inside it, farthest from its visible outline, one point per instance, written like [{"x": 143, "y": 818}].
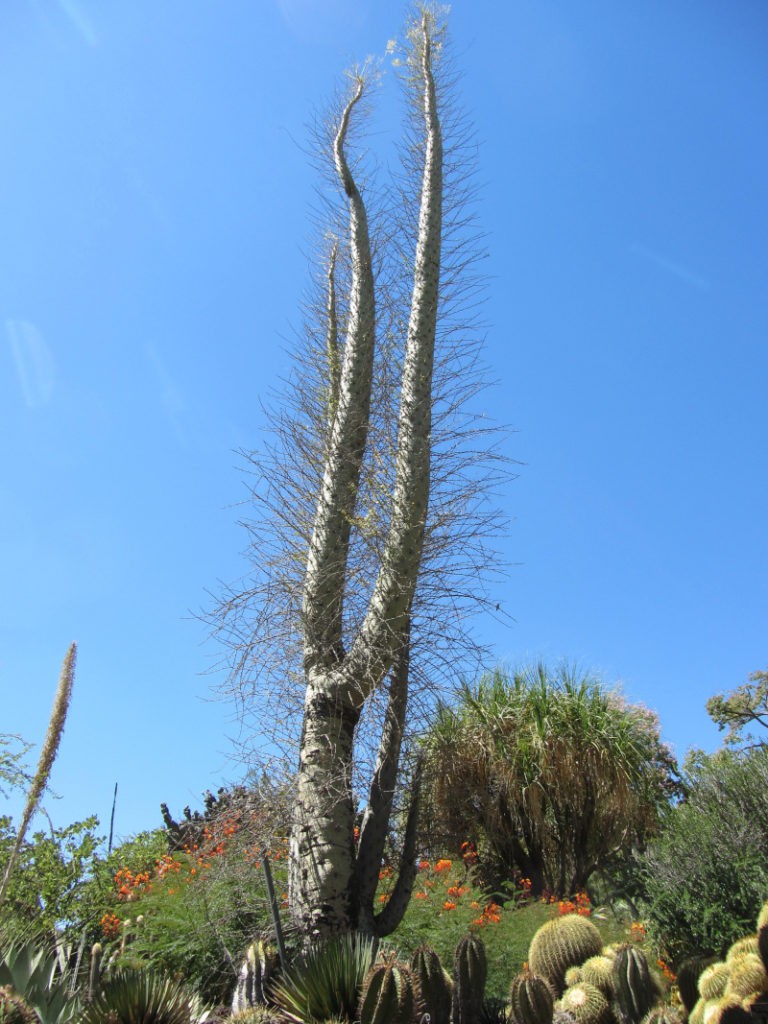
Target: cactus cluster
[
  {"x": 562, "y": 943},
  {"x": 733, "y": 990},
  {"x": 570, "y": 978}
]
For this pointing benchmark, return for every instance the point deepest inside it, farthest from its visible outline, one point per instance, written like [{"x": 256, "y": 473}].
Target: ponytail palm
[{"x": 550, "y": 772}]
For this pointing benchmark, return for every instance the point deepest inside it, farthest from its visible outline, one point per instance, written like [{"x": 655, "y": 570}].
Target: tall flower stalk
[{"x": 47, "y": 757}]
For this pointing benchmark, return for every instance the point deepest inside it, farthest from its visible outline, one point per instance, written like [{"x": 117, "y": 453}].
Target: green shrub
[{"x": 706, "y": 874}]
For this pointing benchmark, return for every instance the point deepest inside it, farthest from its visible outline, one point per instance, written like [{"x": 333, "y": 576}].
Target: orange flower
[
  {"x": 421, "y": 895},
  {"x": 469, "y": 853},
  {"x": 449, "y": 905},
  {"x": 443, "y": 865},
  {"x": 457, "y": 891},
  {"x": 423, "y": 865}
]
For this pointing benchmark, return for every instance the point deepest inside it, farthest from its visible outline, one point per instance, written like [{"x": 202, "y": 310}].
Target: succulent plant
[
  {"x": 573, "y": 976},
  {"x": 725, "y": 1010},
  {"x": 562, "y": 943},
  {"x": 586, "y": 1004},
  {"x": 696, "y": 1016},
  {"x": 326, "y": 981},
  {"x": 433, "y": 983},
  {"x": 762, "y": 944},
  {"x": 688, "y": 974},
  {"x": 663, "y": 1015},
  {"x": 470, "y": 970},
  {"x": 94, "y": 972},
  {"x": 713, "y": 980},
  {"x": 531, "y": 999},
  {"x": 388, "y": 994},
  {"x": 748, "y": 977},
  {"x": 741, "y": 947},
  {"x": 635, "y": 988},
  {"x": 140, "y": 997},
  {"x": 13, "y": 1009},
  {"x": 598, "y": 971}
]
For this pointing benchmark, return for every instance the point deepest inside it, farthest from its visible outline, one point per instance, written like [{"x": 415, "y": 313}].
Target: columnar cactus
[
  {"x": 635, "y": 989},
  {"x": 688, "y": 974},
  {"x": 388, "y": 996},
  {"x": 433, "y": 984},
  {"x": 531, "y": 999},
  {"x": 94, "y": 973},
  {"x": 470, "y": 970},
  {"x": 562, "y": 943}
]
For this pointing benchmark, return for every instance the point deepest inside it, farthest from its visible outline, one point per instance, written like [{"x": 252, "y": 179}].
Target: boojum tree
[{"x": 374, "y": 544}]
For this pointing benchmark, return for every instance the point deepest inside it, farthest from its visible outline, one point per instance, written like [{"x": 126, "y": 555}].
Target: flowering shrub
[{"x": 200, "y": 903}]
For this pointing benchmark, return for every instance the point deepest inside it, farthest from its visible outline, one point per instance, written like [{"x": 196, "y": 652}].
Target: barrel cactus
[
  {"x": 470, "y": 970},
  {"x": 713, "y": 981},
  {"x": 748, "y": 977},
  {"x": 433, "y": 983},
  {"x": 531, "y": 999},
  {"x": 388, "y": 996},
  {"x": 598, "y": 971},
  {"x": 742, "y": 947},
  {"x": 663, "y": 1015},
  {"x": 562, "y": 943},
  {"x": 586, "y": 1004}
]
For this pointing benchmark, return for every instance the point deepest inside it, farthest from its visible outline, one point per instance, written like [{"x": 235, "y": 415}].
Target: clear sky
[{"x": 155, "y": 196}]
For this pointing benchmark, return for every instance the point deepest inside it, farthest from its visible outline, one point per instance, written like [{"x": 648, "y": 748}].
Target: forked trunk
[{"x": 331, "y": 886}]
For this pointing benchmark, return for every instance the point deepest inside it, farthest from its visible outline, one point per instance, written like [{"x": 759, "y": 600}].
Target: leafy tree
[
  {"x": 551, "y": 775},
  {"x": 706, "y": 873},
  {"x": 53, "y": 872},
  {"x": 746, "y": 705},
  {"x": 13, "y": 773},
  {"x": 372, "y": 544}
]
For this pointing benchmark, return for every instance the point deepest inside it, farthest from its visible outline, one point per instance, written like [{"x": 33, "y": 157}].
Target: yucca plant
[
  {"x": 325, "y": 982},
  {"x": 548, "y": 771},
  {"x": 143, "y": 997}
]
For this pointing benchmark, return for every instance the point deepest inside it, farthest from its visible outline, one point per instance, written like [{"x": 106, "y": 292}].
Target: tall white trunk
[{"x": 331, "y": 888}]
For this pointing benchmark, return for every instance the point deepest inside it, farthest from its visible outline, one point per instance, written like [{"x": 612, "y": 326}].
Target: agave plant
[
  {"x": 325, "y": 982},
  {"x": 143, "y": 997},
  {"x": 36, "y": 975}
]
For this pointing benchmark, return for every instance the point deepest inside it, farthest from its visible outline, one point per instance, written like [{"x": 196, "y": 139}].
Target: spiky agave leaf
[
  {"x": 142, "y": 997},
  {"x": 325, "y": 982}
]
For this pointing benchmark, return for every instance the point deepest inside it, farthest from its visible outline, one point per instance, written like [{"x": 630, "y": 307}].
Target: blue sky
[{"x": 156, "y": 202}]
